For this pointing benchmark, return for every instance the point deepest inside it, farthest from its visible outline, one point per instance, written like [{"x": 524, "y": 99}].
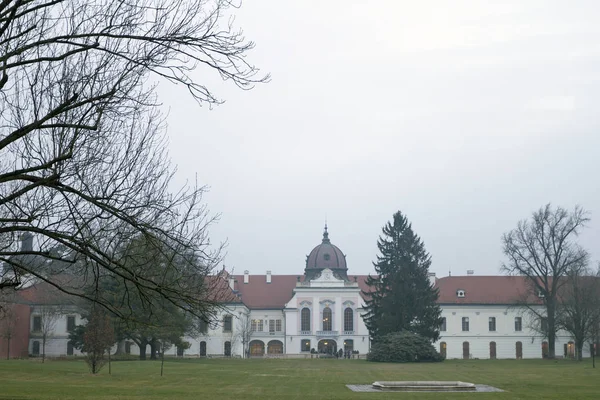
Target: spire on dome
[{"x": 326, "y": 235}]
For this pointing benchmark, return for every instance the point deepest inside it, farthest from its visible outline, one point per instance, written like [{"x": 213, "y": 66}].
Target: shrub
[{"x": 403, "y": 347}]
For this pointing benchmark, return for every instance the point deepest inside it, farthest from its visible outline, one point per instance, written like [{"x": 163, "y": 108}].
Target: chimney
[
  {"x": 26, "y": 242},
  {"x": 268, "y": 276},
  {"x": 231, "y": 282},
  {"x": 246, "y": 276},
  {"x": 470, "y": 272},
  {"x": 431, "y": 276}
]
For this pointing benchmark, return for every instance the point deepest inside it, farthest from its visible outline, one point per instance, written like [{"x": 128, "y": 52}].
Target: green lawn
[{"x": 291, "y": 379}]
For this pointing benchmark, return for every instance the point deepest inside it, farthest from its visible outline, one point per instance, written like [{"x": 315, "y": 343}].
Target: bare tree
[
  {"x": 48, "y": 315},
  {"x": 8, "y": 324},
  {"x": 579, "y": 307},
  {"x": 543, "y": 249},
  {"x": 244, "y": 332},
  {"x": 83, "y": 165},
  {"x": 98, "y": 338}
]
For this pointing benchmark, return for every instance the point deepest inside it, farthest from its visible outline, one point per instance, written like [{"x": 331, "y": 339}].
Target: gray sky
[{"x": 465, "y": 115}]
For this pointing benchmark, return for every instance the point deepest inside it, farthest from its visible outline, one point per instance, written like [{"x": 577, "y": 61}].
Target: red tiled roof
[{"x": 484, "y": 290}]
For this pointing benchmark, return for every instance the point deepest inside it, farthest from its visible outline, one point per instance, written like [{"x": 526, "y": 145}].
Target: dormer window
[
  {"x": 460, "y": 293},
  {"x": 326, "y": 256}
]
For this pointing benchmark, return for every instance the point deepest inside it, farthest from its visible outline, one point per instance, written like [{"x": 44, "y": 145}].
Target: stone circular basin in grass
[{"x": 429, "y": 386}]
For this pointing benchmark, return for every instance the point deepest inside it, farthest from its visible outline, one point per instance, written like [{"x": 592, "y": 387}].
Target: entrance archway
[
  {"x": 348, "y": 345},
  {"x": 327, "y": 346},
  {"x": 257, "y": 348},
  {"x": 493, "y": 350},
  {"x": 466, "y": 352},
  {"x": 443, "y": 349},
  {"x": 545, "y": 350},
  {"x": 274, "y": 347}
]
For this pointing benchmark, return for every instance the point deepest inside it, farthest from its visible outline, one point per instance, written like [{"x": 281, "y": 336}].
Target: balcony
[{"x": 327, "y": 333}]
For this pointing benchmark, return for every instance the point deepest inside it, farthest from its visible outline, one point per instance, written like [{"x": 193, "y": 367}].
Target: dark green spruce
[{"x": 400, "y": 297}]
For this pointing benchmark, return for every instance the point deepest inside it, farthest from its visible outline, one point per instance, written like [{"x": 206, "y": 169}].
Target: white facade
[
  {"x": 55, "y": 322},
  {"x": 508, "y": 335}
]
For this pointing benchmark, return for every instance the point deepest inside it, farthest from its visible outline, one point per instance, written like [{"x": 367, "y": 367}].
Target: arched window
[
  {"x": 227, "y": 349},
  {"x": 305, "y": 319},
  {"x": 202, "y": 349},
  {"x": 348, "y": 320},
  {"x": 327, "y": 319}
]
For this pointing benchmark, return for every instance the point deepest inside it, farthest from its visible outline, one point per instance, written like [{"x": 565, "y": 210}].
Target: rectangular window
[
  {"x": 544, "y": 325},
  {"x": 443, "y": 327},
  {"x": 69, "y": 348},
  {"x": 256, "y": 325},
  {"x": 70, "y": 323},
  {"x": 518, "y": 324},
  {"x": 465, "y": 324},
  {"x": 278, "y": 325},
  {"x": 202, "y": 326},
  {"x": 492, "y": 324},
  {"x": 37, "y": 323},
  {"x": 227, "y": 323},
  {"x": 271, "y": 325}
]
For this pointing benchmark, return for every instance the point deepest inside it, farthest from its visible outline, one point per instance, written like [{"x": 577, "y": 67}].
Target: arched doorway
[
  {"x": 202, "y": 349},
  {"x": 443, "y": 349},
  {"x": 348, "y": 345},
  {"x": 274, "y": 347},
  {"x": 544, "y": 349},
  {"x": 327, "y": 346},
  {"x": 36, "y": 348},
  {"x": 466, "y": 351},
  {"x": 570, "y": 350},
  {"x": 257, "y": 348},
  {"x": 519, "y": 350},
  {"x": 493, "y": 350}
]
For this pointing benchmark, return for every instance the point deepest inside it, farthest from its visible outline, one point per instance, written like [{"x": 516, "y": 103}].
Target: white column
[{"x": 316, "y": 316}]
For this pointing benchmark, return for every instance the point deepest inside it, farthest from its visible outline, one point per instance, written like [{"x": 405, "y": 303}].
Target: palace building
[{"x": 320, "y": 311}]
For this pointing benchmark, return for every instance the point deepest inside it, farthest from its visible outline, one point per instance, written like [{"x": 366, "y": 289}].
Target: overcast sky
[{"x": 465, "y": 115}]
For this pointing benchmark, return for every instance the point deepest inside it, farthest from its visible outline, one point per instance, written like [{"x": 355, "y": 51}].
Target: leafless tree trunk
[
  {"x": 49, "y": 315},
  {"x": 544, "y": 250},
  {"x": 244, "y": 331},
  {"x": 83, "y": 165},
  {"x": 8, "y": 323}
]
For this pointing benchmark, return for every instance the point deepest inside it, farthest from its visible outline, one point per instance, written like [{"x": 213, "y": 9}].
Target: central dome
[{"x": 326, "y": 255}]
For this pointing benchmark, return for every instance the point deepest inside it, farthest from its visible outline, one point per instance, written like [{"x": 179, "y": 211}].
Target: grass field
[{"x": 291, "y": 379}]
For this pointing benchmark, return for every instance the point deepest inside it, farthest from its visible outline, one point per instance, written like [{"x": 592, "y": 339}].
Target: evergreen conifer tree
[{"x": 400, "y": 297}]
